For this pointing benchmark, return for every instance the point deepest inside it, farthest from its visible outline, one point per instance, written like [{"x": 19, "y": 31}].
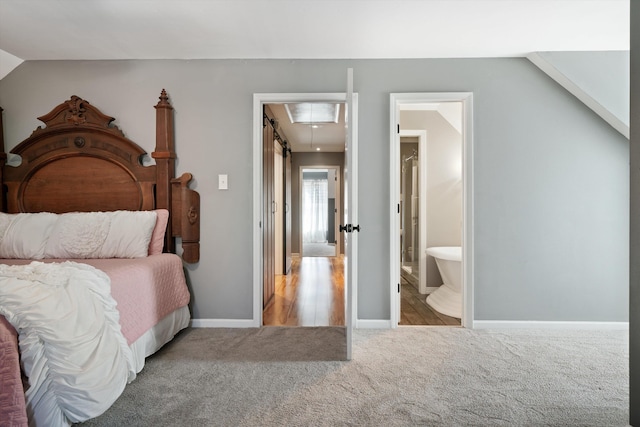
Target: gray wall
[
  {"x": 551, "y": 178},
  {"x": 634, "y": 284}
]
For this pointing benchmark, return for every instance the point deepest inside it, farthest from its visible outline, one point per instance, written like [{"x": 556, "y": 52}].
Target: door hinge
[
  {"x": 398, "y": 128},
  {"x": 398, "y": 207},
  {"x": 398, "y": 287}
]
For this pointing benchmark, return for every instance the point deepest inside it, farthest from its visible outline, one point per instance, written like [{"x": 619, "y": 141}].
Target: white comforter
[{"x": 72, "y": 350}]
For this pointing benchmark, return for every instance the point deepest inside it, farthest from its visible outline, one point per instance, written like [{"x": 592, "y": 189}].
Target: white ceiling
[
  {"x": 222, "y": 29},
  {"x": 193, "y": 29}
]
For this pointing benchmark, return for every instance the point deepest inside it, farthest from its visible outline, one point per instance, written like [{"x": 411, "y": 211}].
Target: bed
[{"x": 91, "y": 276}]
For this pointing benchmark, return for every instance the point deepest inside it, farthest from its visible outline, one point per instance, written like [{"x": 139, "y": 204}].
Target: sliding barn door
[
  {"x": 287, "y": 212},
  {"x": 268, "y": 214}
]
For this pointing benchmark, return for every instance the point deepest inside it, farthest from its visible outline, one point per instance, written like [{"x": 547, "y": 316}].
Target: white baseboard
[
  {"x": 223, "y": 323},
  {"x": 373, "y": 324},
  {"x": 249, "y": 323},
  {"x": 525, "y": 324},
  {"x": 477, "y": 324},
  {"x": 295, "y": 254}
]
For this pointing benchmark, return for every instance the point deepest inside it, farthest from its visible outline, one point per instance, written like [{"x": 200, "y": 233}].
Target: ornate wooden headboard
[{"x": 80, "y": 162}]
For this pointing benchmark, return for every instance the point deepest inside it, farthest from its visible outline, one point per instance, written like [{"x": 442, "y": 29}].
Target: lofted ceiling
[{"x": 276, "y": 29}]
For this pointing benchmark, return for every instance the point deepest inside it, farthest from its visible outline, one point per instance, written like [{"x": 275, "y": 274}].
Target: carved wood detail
[
  {"x": 80, "y": 161},
  {"x": 186, "y": 217}
]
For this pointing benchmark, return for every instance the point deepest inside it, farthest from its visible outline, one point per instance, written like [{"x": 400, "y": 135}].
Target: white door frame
[
  {"x": 397, "y": 99},
  {"x": 259, "y": 100},
  {"x": 336, "y": 215}
]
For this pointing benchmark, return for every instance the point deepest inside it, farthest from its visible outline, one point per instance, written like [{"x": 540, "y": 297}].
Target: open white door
[{"x": 351, "y": 226}]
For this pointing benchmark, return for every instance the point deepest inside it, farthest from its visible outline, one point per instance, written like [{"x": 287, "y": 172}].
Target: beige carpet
[
  {"x": 268, "y": 344},
  {"x": 318, "y": 249},
  {"x": 410, "y": 376}
]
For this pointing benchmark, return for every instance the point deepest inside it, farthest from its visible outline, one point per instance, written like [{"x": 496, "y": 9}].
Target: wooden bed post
[
  {"x": 186, "y": 219},
  {"x": 165, "y": 156}
]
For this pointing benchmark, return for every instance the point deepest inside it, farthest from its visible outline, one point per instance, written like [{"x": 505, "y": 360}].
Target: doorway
[
  {"x": 319, "y": 211},
  {"x": 431, "y": 200},
  {"x": 272, "y": 100}
]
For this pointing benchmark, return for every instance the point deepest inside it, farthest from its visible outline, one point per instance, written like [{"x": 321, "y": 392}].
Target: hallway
[{"x": 312, "y": 294}]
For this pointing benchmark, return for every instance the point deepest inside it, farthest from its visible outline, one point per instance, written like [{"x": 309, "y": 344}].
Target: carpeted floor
[
  {"x": 318, "y": 249},
  {"x": 424, "y": 376}
]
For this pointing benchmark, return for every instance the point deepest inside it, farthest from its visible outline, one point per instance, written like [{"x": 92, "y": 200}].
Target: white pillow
[
  {"x": 130, "y": 234},
  {"x": 119, "y": 234},
  {"x": 25, "y": 235}
]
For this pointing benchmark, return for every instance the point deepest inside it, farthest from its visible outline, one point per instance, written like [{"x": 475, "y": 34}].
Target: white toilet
[{"x": 447, "y": 299}]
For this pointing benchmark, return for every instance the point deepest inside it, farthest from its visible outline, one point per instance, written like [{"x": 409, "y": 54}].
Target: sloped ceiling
[{"x": 599, "y": 79}]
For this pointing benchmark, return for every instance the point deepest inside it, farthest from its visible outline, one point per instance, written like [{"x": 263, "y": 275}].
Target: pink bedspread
[
  {"x": 146, "y": 290},
  {"x": 12, "y": 407}
]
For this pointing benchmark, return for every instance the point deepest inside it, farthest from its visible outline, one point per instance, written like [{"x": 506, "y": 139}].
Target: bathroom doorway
[{"x": 430, "y": 199}]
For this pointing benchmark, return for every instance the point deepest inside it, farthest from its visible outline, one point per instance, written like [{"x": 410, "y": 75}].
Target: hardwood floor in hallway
[{"x": 312, "y": 294}]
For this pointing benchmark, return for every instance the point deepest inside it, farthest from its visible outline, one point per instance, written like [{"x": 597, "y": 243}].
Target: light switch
[{"x": 223, "y": 182}]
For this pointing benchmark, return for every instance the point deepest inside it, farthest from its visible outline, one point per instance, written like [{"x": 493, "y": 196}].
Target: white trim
[
  {"x": 258, "y": 268},
  {"x": 397, "y": 99},
  {"x": 373, "y": 324},
  {"x": 259, "y": 99},
  {"x": 571, "y": 325},
  {"x": 394, "y": 210},
  {"x": 478, "y": 324},
  {"x": 222, "y": 323},
  {"x": 579, "y": 93},
  {"x": 350, "y": 177},
  {"x": 468, "y": 254},
  {"x": 353, "y": 211}
]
